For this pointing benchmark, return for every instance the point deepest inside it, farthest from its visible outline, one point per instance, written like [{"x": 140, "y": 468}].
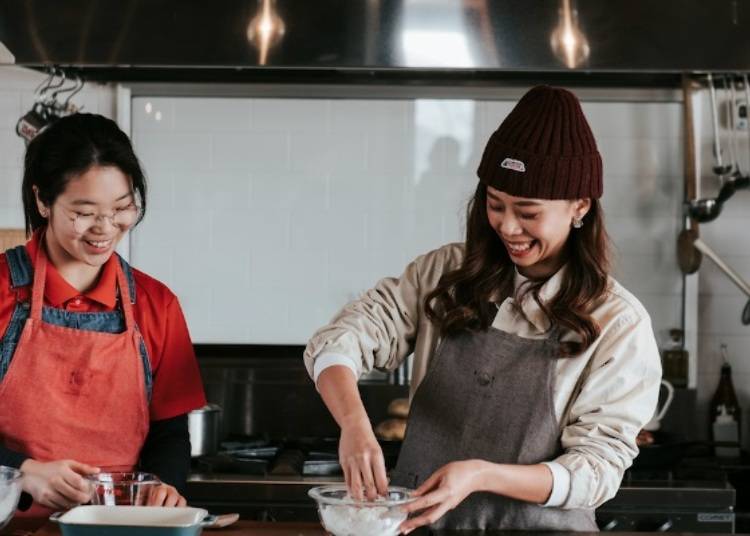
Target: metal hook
[
  {"x": 78, "y": 87},
  {"x": 719, "y": 167},
  {"x": 38, "y": 91},
  {"x": 58, "y": 72},
  {"x": 75, "y": 88},
  {"x": 730, "y": 112}
]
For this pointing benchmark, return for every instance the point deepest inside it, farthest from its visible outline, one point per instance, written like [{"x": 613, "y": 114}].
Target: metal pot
[{"x": 203, "y": 425}]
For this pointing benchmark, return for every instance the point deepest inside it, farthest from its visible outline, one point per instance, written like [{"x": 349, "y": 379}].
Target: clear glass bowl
[
  {"x": 341, "y": 515},
  {"x": 10, "y": 491},
  {"x": 131, "y": 489}
]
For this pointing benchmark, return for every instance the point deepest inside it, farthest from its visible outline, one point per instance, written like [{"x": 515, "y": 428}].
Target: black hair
[{"x": 68, "y": 148}]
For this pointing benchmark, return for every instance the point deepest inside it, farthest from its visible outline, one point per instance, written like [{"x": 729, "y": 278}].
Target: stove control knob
[{"x": 655, "y": 525}]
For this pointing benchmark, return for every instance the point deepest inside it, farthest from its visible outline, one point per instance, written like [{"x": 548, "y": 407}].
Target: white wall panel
[{"x": 307, "y": 202}]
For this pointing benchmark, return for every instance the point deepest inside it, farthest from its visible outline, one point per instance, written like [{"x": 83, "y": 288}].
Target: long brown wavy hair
[{"x": 462, "y": 301}]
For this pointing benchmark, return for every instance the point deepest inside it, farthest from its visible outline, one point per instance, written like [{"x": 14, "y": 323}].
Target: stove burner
[{"x": 261, "y": 456}]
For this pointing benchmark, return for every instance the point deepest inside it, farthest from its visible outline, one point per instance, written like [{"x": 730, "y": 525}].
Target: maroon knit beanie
[{"x": 544, "y": 149}]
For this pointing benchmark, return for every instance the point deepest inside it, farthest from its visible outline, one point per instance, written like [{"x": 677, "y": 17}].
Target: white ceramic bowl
[
  {"x": 10, "y": 491},
  {"x": 341, "y": 515}
]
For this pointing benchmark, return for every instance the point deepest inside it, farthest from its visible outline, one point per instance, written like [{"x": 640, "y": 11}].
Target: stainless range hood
[{"x": 231, "y": 39}]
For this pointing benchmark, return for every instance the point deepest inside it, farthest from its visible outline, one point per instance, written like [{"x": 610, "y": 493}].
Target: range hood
[{"x": 233, "y": 39}]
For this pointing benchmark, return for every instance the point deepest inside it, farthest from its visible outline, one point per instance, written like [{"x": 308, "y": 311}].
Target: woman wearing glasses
[{"x": 97, "y": 369}]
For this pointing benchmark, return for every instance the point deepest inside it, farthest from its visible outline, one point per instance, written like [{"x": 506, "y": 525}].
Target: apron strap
[
  {"x": 40, "y": 277},
  {"x": 126, "y": 301},
  {"x": 19, "y": 263},
  {"x": 129, "y": 275}
]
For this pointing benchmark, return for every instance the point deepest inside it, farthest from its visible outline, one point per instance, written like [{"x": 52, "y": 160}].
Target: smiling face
[
  {"x": 75, "y": 235},
  {"x": 534, "y": 231}
]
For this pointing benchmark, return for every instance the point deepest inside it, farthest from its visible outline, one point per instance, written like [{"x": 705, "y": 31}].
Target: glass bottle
[
  {"x": 675, "y": 359},
  {"x": 725, "y": 412}
]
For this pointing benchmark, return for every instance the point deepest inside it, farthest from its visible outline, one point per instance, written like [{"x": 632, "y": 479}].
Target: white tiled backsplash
[{"x": 266, "y": 215}]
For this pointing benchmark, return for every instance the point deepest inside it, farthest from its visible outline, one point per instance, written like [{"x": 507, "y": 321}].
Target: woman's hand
[
  {"x": 165, "y": 495},
  {"x": 59, "y": 484},
  {"x": 443, "y": 491},
  {"x": 362, "y": 460}
]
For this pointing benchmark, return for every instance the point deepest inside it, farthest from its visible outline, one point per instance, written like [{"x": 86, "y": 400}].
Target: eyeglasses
[{"x": 123, "y": 217}]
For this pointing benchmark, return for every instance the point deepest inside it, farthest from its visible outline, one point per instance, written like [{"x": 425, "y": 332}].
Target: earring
[{"x": 577, "y": 223}]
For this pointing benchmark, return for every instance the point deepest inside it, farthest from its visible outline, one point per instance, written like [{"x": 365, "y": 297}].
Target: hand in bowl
[
  {"x": 58, "y": 484},
  {"x": 362, "y": 460},
  {"x": 165, "y": 495}
]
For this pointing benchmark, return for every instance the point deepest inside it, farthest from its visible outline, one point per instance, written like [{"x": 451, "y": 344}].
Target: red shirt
[{"x": 177, "y": 387}]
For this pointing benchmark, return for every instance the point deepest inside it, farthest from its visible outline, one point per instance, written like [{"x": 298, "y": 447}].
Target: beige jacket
[{"x": 602, "y": 397}]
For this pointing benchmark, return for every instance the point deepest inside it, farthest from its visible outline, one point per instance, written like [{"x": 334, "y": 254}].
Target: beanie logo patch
[{"x": 515, "y": 165}]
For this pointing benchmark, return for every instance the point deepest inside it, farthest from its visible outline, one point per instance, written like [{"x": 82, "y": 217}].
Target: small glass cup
[{"x": 122, "y": 488}]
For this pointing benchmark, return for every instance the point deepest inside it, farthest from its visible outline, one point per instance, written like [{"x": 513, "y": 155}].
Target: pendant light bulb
[
  {"x": 569, "y": 44},
  {"x": 266, "y": 29}
]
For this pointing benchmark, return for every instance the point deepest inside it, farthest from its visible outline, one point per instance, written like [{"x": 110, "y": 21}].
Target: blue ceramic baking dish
[{"x": 95, "y": 520}]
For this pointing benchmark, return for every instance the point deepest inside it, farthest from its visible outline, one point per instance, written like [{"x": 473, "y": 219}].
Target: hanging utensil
[
  {"x": 719, "y": 168},
  {"x": 47, "y": 108},
  {"x": 706, "y": 210},
  {"x": 688, "y": 257},
  {"x": 730, "y": 273},
  {"x": 731, "y": 111}
]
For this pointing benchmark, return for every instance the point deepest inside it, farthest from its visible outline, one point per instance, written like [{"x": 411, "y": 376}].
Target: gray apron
[{"x": 488, "y": 395}]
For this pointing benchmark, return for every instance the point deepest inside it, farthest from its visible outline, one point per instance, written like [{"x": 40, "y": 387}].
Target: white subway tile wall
[{"x": 273, "y": 213}]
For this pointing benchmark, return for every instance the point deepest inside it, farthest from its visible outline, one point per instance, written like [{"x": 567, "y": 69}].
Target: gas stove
[
  {"x": 694, "y": 496},
  {"x": 268, "y": 480}
]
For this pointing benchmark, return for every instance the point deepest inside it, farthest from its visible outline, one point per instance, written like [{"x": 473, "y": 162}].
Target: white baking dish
[{"x": 93, "y": 520}]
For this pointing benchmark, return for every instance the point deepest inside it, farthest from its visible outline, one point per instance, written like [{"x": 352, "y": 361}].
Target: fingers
[
  {"x": 366, "y": 473},
  {"x": 426, "y": 501},
  {"x": 165, "y": 495},
  {"x": 75, "y": 481},
  {"x": 381, "y": 479},
  {"x": 431, "y": 483},
  {"x": 172, "y": 498},
  {"x": 82, "y": 468},
  {"x": 426, "y": 518},
  {"x": 52, "y": 498},
  {"x": 157, "y": 496},
  {"x": 72, "y": 493},
  {"x": 368, "y": 481},
  {"x": 355, "y": 481}
]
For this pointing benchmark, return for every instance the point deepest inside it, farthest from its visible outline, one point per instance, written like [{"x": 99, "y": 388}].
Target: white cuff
[
  {"x": 560, "y": 484},
  {"x": 330, "y": 360}
]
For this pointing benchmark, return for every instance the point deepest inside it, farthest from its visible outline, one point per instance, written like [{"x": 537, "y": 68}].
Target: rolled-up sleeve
[
  {"x": 616, "y": 399},
  {"x": 377, "y": 330}
]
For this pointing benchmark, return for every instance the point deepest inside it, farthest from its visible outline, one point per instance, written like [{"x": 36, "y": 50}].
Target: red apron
[{"x": 75, "y": 394}]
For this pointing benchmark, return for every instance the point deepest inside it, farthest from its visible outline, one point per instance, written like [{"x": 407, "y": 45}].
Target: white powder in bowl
[{"x": 343, "y": 520}]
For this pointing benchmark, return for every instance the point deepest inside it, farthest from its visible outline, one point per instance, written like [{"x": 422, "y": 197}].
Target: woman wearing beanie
[{"x": 533, "y": 369}]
